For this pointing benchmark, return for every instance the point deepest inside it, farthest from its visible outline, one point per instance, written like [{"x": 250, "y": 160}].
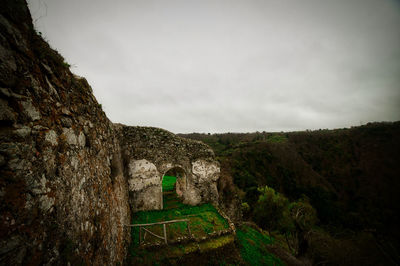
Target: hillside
[
  {"x": 351, "y": 176},
  {"x": 73, "y": 184}
]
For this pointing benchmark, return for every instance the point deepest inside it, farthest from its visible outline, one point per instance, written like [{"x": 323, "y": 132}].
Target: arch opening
[{"x": 173, "y": 185}]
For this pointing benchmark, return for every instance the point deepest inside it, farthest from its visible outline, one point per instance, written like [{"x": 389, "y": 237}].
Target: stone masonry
[
  {"x": 149, "y": 153},
  {"x": 69, "y": 177}
]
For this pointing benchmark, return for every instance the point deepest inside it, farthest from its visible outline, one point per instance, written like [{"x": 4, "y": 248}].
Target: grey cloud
[{"x": 218, "y": 66}]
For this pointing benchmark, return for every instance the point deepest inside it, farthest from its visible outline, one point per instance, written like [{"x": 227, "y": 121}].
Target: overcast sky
[{"x": 232, "y": 66}]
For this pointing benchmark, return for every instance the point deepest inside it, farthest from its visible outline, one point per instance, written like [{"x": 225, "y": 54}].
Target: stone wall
[
  {"x": 150, "y": 152},
  {"x": 63, "y": 196},
  {"x": 70, "y": 177}
]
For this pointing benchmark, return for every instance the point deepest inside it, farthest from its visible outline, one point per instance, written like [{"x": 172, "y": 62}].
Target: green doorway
[
  {"x": 173, "y": 184},
  {"x": 168, "y": 183}
]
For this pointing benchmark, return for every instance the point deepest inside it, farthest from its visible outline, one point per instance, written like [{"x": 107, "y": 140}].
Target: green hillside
[{"x": 350, "y": 176}]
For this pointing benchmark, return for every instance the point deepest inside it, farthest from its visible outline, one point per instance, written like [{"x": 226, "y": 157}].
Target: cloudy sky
[{"x": 232, "y": 65}]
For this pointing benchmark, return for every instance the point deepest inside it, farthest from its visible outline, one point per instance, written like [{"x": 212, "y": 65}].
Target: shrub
[{"x": 270, "y": 208}]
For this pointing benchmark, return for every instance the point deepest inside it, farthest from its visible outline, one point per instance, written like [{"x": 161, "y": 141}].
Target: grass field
[
  {"x": 171, "y": 200},
  {"x": 252, "y": 247},
  {"x": 203, "y": 219},
  {"x": 168, "y": 183}
]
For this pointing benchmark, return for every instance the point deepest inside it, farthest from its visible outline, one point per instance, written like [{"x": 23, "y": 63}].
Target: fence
[{"x": 164, "y": 223}]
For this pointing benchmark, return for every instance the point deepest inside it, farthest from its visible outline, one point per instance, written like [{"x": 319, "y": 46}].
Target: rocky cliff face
[
  {"x": 62, "y": 197},
  {"x": 70, "y": 177}
]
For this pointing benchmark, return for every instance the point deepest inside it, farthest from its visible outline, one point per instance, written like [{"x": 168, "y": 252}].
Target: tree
[
  {"x": 270, "y": 208},
  {"x": 294, "y": 220},
  {"x": 304, "y": 218}
]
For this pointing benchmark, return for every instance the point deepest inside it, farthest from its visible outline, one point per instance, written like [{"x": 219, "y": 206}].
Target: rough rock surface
[
  {"x": 151, "y": 152},
  {"x": 60, "y": 199},
  {"x": 70, "y": 177}
]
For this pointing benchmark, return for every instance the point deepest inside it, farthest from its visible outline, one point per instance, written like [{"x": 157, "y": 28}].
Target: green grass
[
  {"x": 203, "y": 219},
  {"x": 253, "y": 247},
  {"x": 171, "y": 200},
  {"x": 168, "y": 183},
  {"x": 168, "y": 255}
]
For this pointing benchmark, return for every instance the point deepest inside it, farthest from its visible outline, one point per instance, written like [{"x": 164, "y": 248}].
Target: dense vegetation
[{"x": 349, "y": 176}]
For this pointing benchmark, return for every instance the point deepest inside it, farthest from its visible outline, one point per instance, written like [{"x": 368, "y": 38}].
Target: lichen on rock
[
  {"x": 70, "y": 177},
  {"x": 57, "y": 200}
]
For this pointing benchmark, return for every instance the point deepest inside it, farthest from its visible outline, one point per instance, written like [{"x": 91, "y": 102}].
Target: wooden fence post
[
  {"x": 188, "y": 228},
  {"x": 165, "y": 233},
  {"x": 140, "y": 235}
]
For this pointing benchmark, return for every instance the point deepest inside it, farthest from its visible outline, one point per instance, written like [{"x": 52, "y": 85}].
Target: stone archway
[
  {"x": 149, "y": 153},
  {"x": 180, "y": 184}
]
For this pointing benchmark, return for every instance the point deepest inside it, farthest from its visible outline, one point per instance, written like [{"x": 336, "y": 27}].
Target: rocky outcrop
[
  {"x": 229, "y": 201},
  {"x": 61, "y": 199},
  {"x": 70, "y": 177}
]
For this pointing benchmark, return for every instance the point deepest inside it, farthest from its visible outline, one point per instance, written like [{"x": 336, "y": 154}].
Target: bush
[
  {"x": 245, "y": 208},
  {"x": 303, "y": 214},
  {"x": 270, "y": 208}
]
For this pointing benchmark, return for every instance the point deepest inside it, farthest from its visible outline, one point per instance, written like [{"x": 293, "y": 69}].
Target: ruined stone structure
[
  {"x": 149, "y": 153},
  {"x": 69, "y": 177}
]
